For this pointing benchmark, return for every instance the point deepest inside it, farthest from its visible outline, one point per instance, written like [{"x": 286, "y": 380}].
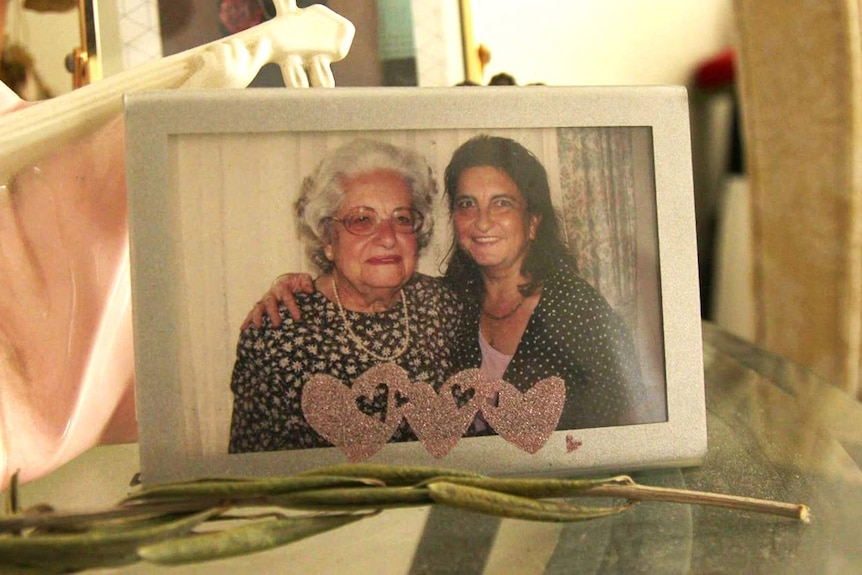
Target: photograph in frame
[{"x": 213, "y": 180}]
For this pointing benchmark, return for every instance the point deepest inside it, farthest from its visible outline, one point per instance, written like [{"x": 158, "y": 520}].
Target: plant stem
[{"x": 670, "y": 495}]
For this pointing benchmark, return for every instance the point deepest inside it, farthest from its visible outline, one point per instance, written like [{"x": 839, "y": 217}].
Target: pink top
[{"x": 494, "y": 365}]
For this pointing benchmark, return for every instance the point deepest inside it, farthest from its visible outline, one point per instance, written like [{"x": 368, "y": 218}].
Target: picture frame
[{"x": 211, "y": 179}]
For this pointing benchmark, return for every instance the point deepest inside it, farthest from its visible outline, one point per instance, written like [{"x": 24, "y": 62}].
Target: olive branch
[{"x": 207, "y": 519}]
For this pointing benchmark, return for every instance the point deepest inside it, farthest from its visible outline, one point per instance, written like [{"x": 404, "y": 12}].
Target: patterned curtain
[{"x": 598, "y": 211}]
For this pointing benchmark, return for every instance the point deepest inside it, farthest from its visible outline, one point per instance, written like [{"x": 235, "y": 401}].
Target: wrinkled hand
[{"x": 280, "y": 293}]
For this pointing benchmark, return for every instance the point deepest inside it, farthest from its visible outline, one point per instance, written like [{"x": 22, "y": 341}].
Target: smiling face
[
  {"x": 491, "y": 220},
  {"x": 375, "y": 266}
]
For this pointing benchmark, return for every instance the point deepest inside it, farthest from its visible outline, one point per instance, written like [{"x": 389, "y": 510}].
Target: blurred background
[{"x": 769, "y": 198}]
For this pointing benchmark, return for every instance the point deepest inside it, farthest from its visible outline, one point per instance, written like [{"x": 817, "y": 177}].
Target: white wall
[{"x": 600, "y": 42}]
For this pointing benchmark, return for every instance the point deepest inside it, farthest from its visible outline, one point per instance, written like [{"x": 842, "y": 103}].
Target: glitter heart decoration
[
  {"x": 344, "y": 416},
  {"x": 361, "y": 419},
  {"x": 527, "y": 419},
  {"x": 439, "y": 420}
]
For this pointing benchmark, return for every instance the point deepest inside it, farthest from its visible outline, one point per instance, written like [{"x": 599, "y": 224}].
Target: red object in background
[
  {"x": 238, "y": 15},
  {"x": 717, "y": 72}
]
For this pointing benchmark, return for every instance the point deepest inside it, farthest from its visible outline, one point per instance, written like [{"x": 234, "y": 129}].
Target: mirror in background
[
  {"x": 38, "y": 37},
  {"x": 382, "y": 54},
  {"x": 397, "y": 42}
]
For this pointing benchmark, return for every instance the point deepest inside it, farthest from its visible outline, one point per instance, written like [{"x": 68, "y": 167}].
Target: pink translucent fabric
[{"x": 66, "y": 358}]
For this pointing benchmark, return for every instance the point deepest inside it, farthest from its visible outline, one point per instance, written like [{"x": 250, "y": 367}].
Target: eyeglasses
[{"x": 364, "y": 221}]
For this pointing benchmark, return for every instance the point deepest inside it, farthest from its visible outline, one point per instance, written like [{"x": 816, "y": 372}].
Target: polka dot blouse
[{"x": 574, "y": 334}]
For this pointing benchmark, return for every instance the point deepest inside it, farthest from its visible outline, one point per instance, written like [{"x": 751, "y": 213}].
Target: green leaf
[
  {"x": 513, "y": 506},
  {"x": 243, "y": 540},
  {"x": 355, "y": 499},
  {"x": 12, "y": 495},
  {"x": 389, "y": 474},
  {"x": 242, "y": 488},
  {"x": 90, "y": 549},
  {"x": 535, "y": 488}
]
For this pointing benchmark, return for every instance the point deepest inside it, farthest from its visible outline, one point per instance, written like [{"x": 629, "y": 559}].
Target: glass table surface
[{"x": 775, "y": 431}]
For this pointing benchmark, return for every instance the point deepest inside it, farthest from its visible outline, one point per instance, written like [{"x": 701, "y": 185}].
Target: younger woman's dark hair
[{"x": 547, "y": 249}]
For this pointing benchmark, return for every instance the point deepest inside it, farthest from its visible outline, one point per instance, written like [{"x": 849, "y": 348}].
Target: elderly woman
[{"x": 372, "y": 320}]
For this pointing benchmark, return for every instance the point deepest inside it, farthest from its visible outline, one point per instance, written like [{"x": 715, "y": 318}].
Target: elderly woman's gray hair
[{"x": 323, "y": 190}]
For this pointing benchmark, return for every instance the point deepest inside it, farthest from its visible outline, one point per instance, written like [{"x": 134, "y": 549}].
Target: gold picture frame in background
[{"x": 473, "y": 66}]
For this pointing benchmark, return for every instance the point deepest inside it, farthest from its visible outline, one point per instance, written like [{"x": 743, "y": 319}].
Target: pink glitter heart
[
  {"x": 332, "y": 409},
  {"x": 435, "y": 418},
  {"x": 528, "y": 419}
]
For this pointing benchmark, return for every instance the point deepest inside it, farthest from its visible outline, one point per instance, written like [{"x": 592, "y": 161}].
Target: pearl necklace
[
  {"x": 355, "y": 338},
  {"x": 506, "y": 315}
]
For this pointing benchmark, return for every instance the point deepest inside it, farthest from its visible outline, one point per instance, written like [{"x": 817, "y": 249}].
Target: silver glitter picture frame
[{"x": 212, "y": 176}]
